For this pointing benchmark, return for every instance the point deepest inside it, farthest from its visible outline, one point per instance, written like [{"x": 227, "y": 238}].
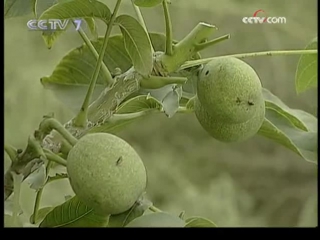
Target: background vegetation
[{"x": 255, "y": 183}]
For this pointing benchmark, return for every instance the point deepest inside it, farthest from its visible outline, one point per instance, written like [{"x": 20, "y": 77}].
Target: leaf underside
[
  {"x": 307, "y": 70},
  {"x": 73, "y": 213}
]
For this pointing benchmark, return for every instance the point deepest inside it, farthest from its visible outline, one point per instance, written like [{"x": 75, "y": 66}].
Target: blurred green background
[{"x": 254, "y": 183}]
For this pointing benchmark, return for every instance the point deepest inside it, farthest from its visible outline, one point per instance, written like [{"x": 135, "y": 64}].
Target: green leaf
[
  {"x": 18, "y": 8},
  {"x": 41, "y": 5},
  {"x": 158, "y": 219},
  {"x": 73, "y": 213},
  {"x": 139, "y": 103},
  {"x": 137, "y": 44},
  {"x": 297, "y": 117},
  {"x": 199, "y": 222},
  {"x": 127, "y": 113},
  {"x": 42, "y": 213},
  {"x": 79, "y": 9},
  {"x": 170, "y": 103},
  {"x": 278, "y": 128},
  {"x": 71, "y": 77},
  {"x": 92, "y": 27},
  {"x": 307, "y": 70},
  {"x": 147, "y": 3},
  {"x": 138, "y": 209}
]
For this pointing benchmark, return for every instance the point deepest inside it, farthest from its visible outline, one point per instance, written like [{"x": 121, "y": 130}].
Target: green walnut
[
  {"x": 229, "y": 132},
  {"x": 230, "y": 89},
  {"x": 106, "y": 173}
]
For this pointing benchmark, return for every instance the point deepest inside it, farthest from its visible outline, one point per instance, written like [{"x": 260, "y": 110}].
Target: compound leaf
[
  {"x": 297, "y": 117},
  {"x": 71, "y": 77},
  {"x": 278, "y": 128},
  {"x": 137, "y": 43},
  {"x": 73, "y": 213},
  {"x": 18, "y": 8},
  {"x": 307, "y": 70},
  {"x": 42, "y": 213},
  {"x": 79, "y": 9}
]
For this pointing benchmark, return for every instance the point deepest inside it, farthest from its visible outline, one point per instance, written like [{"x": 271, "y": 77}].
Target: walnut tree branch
[{"x": 103, "y": 108}]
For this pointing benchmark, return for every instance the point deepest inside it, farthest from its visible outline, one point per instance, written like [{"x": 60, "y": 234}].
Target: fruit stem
[
  {"x": 141, "y": 21},
  {"x": 154, "y": 82},
  {"x": 81, "y": 119},
  {"x": 192, "y": 63},
  {"x": 185, "y": 48},
  {"x": 65, "y": 147},
  {"x": 108, "y": 77},
  {"x": 154, "y": 209},
  {"x": 39, "y": 195},
  {"x": 17, "y": 180},
  {"x": 55, "y": 158},
  {"x": 11, "y": 151},
  {"x": 48, "y": 124},
  {"x": 202, "y": 46},
  {"x": 168, "y": 50}
]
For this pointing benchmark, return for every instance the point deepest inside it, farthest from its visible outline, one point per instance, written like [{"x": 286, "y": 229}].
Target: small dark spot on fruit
[
  {"x": 19, "y": 150},
  {"x": 82, "y": 109},
  {"x": 207, "y": 72},
  {"x": 250, "y": 103},
  {"x": 238, "y": 101},
  {"x": 119, "y": 161}
]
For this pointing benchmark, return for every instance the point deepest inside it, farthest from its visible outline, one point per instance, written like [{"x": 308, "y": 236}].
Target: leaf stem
[
  {"x": 155, "y": 82},
  {"x": 108, "y": 77},
  {"x": 141, "y": 21},
  {"x": 48, "y": 124},
  {"x": 202, "y": 46},
  {"x": 188, "y": 64},
  {"x": 55, "y": 158},
  {"x": 17, "y": 180},
  {"x": 11, "y": 151},
  {"x": 81, "y": 119},
  {"x": 168, "y": 50},
  {"x": 39, "y": 195},
  {"x": 186, "y": 47},
  {"x": 154, "y": 209}
]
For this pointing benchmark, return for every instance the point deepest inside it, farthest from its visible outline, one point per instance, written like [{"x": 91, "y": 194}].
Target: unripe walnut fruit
[
  {"x": 106, "y": 173},
  {"x": 229, "y": 132},
  {"x": 229, "y": 89}
]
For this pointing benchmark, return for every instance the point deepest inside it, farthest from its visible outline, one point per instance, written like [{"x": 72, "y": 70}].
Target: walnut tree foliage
[{"x": 112, "y": 81}]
